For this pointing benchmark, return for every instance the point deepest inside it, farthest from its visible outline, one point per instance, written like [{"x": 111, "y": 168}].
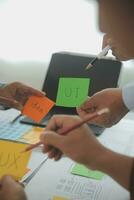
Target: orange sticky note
[{"x": 37, "y": 107}]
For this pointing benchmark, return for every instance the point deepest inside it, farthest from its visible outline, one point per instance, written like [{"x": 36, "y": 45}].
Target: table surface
[{"x": 54, "y": 178}]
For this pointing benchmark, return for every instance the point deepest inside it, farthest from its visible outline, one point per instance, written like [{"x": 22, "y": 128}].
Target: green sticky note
[
  {"x": 81, "y": 170},
  {"x": 72, "y": 92}
]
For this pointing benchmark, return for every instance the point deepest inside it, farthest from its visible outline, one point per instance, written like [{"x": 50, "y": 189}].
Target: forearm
[{"x": 115, "y": 165}]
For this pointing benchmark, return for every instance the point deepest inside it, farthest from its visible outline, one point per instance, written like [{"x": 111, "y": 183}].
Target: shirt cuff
[{"x": 128, "y": 96}]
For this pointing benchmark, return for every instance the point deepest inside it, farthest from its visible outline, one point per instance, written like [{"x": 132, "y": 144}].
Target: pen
[
  {"x": 16, "y": 118},
  {"x": 71, "y": 128},
  {"x": 29, "y": 178},
  {"x": 23, "y": 121},
  {"x": 100, "y": 55}
]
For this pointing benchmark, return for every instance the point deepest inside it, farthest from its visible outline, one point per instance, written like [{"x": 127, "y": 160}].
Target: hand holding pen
[
  {"x": 64, "y": 125},
  {"x": 79, "y": 143},
  {"x": 100, "y": 55},
  {"x": 106, "y": 46}
]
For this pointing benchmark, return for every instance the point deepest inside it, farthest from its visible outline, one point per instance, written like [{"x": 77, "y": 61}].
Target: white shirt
[{"x": 128, "y": 96}]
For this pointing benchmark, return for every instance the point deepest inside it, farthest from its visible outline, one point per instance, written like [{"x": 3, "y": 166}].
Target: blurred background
[{"x": 31, "y": 30}]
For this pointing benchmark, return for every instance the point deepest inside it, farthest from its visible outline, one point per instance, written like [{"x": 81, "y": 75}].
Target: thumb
[
  {"x": 10, "y": 102},
  {"x": 51, "y": 138},
  {"x": 8, "y": 181},
  {"x": 9, "y": 184},
  {"x": 12, "y": 190},
  {"x": 106, "y": 40},
  {"x": 88, "y": 105}
]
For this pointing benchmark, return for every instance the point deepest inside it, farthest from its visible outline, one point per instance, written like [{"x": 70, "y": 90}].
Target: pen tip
[{"x": 89, "y": 66}]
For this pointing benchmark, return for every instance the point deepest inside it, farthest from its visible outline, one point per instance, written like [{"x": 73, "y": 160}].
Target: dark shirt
[{"x": 132, "y": 183}]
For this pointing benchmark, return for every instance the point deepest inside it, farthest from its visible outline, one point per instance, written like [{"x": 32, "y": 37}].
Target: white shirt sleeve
[{"x": 128, "y": 96}]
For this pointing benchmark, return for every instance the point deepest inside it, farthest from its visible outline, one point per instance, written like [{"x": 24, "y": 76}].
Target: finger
[
  {"x": 10, "y": 102},
  {"x": 31, "y": 91},
  {"x": 10, "y": 185},
  {"x": 11, "y": 189},
  {"x": 6, "y": 101},
  {"x": 58, "y": 156},
  {"x": 96, "y": 121},
  {"x": 24, "y": 92},
  {"x": 102, "y": 120},
  {"x": 28, "y": 90},
  {"x": 81, "y": 113},
  {"x": 52, "y": 138},
  {"x": 16, "y": 105},
  {"x": 52, "y": 124},
  {"x": 47, "y": 148},
  {"x": 106, "y": 41},
  {"x": 88, "y": 105},
  {"x": 118, "y": 55},
  {"x": 53, "y": 153},
  {"x": 56, "y": 122}
]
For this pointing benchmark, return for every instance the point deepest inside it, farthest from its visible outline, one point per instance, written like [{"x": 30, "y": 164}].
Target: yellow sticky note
[
  {"x": 32, "y": 136},
  {"x": 37, "y": 107},
  {"x": 12, "y": 161},
  {"x": 59, "y": 198}
]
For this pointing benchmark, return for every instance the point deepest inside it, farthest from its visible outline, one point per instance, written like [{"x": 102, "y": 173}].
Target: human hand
[
  {"x": 11, "y": 190},
  {"x": 110, "y": 98},
  {"x": 80, "y": 144},
  {"x": 117, "y": 51},
  {"x": 16, "y": 94}
]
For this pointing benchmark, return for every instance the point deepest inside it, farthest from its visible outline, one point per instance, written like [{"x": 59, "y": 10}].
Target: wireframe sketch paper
[{"x": 12, "y": 161}]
